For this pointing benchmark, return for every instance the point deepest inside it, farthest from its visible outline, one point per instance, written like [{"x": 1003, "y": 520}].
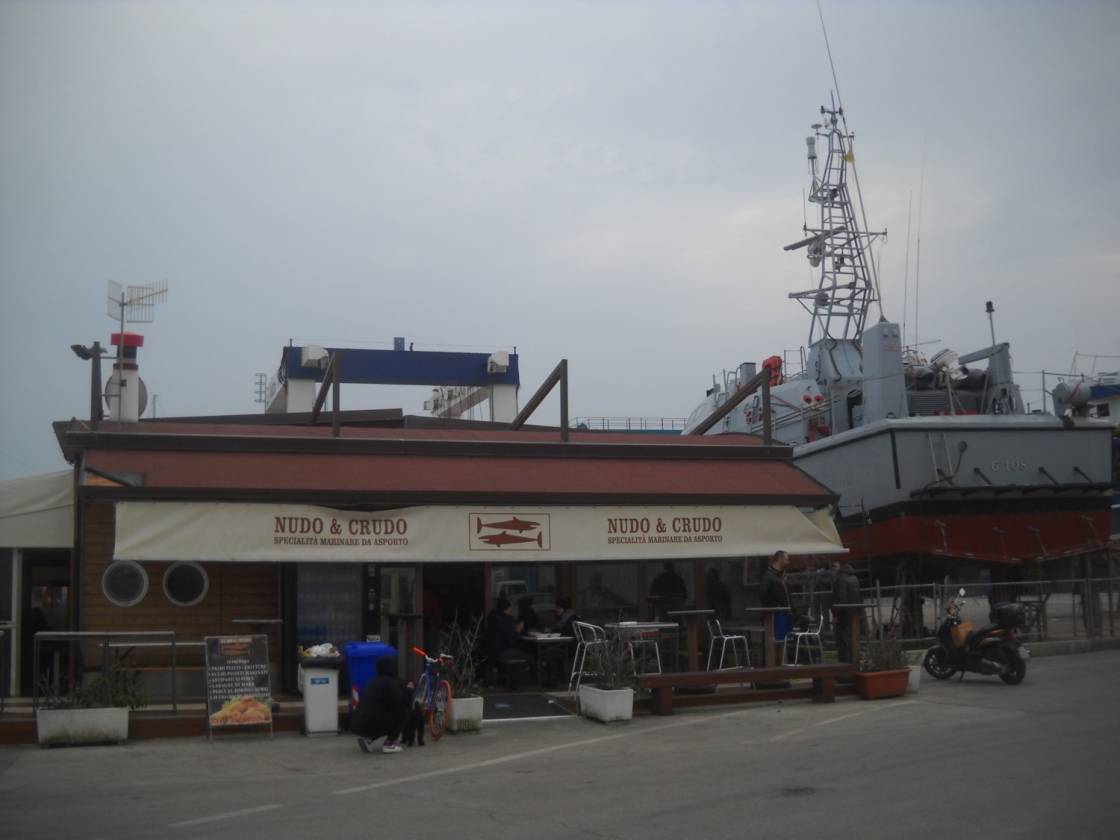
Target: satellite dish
[{"x": 111, "y": 390}]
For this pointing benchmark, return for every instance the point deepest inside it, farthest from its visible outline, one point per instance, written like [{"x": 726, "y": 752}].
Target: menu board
[{"x": 238, "y": 691}]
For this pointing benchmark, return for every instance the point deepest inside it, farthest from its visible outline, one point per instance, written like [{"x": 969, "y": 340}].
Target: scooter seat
[{"x": 986, "y": 630}]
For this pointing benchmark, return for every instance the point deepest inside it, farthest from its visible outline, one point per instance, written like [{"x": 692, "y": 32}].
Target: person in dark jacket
[
  {"x": 503, "y": 644},
  {"x": 845, "y": 590},
  {"x": 381, "y": 709},
  {"x": 719, "y": 596},
  {"x": 774, "y": 592}
]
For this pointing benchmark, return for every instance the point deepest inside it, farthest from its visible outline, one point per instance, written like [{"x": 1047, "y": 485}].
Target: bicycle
[{"x": 433, "y": 693}]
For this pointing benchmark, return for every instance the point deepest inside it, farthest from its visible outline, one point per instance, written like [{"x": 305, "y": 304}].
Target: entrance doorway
[{"x": 44, "y": 605}]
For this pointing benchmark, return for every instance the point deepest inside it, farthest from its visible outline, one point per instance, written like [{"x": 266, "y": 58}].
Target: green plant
[
  {"x": 883, "y": 654},
  {"x": 118, "y": 688},
  {"x": 462, "y": 643}
]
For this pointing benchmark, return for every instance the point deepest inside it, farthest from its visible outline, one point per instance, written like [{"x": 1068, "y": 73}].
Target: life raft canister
[{"x": 774, "y": 365}]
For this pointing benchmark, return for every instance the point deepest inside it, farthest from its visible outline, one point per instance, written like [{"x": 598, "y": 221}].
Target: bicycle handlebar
[{"x": 443, "y": 657}]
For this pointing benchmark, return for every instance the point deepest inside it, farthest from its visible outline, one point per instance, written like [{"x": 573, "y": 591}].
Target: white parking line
[
  {"x": 229, "y": 815},
  {"x": 505, "y": 759},
  {"x": 874, "y": 708}
]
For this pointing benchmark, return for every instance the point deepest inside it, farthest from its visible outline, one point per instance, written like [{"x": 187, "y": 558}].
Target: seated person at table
[
  {"x": 381, "y": 709},
  {"x": 502, "y": 645},
  {"x": 527, "y": 616},
  {"x": 564, "y": 615}
]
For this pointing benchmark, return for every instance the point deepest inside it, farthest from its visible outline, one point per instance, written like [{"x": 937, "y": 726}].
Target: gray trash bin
[{"x": 319, "y": 683}]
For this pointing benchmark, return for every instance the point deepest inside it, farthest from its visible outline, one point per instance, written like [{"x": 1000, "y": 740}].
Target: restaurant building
[{"x": 392, "y": 526}]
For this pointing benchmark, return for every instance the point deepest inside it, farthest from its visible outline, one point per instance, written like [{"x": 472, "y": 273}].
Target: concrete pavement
[{"x": 976, "y": 758}]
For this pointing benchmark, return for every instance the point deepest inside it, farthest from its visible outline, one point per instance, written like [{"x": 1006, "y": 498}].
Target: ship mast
[{"x": 837, "y": 244}]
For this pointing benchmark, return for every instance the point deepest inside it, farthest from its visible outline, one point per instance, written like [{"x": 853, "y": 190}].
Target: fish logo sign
[{"x": 518, "y": 532}]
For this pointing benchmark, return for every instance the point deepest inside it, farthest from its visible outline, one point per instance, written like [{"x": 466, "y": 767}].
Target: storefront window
[
  {"x": 535, "y": 580},
  {"x": 607, "y": 591},
  {"x": 328, "y": 603},
  {"x": 398, "y": 604}
]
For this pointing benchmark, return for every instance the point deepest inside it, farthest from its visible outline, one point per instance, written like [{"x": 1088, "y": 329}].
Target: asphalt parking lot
[{"x": 957, "y": 759}]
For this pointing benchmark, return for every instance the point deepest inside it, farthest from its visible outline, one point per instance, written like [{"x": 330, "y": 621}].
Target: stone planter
[
  {"x": 466, "y": 715},
  {"x": 876, "y": 685},
  {"x": 82, "y": 726},
  {"x": 606, "y": 705}
]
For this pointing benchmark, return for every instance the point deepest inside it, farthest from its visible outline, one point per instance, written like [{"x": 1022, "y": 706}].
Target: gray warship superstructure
[{"x": 931, "y": 458}]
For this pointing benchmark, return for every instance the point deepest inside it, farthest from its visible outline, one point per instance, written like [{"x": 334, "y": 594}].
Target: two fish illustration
[{"x": 505, "y": 538}]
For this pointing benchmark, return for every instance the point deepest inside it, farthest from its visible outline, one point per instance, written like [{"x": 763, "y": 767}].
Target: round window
[
  {"x": 185, "y": 584},
  {"x": 125, "y": 583}
]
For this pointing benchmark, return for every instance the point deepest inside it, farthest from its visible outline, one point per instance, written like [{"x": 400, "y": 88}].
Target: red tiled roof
[{"x": 747, "y": 481}]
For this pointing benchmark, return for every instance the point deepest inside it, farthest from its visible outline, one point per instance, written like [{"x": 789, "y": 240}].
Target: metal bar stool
[
  {"x": 587, "y": 636},
  {"x": 812, "y": 638},
  {"x": 715, "y": 630}
]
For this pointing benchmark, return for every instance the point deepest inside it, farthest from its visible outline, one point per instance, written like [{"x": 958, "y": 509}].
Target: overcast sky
[{"x": 607, "y": 182}]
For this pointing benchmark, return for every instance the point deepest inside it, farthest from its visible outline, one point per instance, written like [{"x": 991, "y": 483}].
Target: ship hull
[{"x": 984, "y": 489}]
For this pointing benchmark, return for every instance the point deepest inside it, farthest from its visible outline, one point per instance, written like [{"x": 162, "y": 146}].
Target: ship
[{"x": 939, "y": 467}]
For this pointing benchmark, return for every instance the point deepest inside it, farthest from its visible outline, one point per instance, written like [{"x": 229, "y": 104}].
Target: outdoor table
[
  {"x": 540, "y": 642},
  {"x": 855, "y": 621},
  {"x": 769, "y": 646},
  {"x": 692, "y": 626}
]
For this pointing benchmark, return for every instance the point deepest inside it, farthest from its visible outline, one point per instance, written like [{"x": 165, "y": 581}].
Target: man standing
[
  {"x": 775, "y": 593},
  {"x": 845, "y": 590}
]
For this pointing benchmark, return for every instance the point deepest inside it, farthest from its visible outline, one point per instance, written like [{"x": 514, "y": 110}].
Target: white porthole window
[
  {"x": 124, "y": 583},
  {"x": 185, "y": 584}
]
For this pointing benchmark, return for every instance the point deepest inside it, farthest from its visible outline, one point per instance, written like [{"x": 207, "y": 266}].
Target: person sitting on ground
[{"x": 381, "y": 709}]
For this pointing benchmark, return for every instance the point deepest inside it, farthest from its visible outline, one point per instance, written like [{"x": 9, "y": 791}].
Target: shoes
[
  {"x": 364, "y": 744},
  {"x": 391, "y": 747}
]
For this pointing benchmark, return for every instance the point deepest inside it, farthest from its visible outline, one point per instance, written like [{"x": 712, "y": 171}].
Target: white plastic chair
[
  {"x": 812, "y": 639},
  {"x": 715, "y": 630},
  {"x": 587, "y": 637}
]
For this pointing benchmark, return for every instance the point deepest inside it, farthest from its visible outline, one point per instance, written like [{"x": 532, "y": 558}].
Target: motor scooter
[{"x": 991, "y": 650}]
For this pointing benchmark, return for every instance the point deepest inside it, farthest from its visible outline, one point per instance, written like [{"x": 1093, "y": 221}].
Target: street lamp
[{"x": 92, "y": 354}]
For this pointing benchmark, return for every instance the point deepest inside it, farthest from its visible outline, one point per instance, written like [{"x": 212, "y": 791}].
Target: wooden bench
[{"x": 823, "y": 689}]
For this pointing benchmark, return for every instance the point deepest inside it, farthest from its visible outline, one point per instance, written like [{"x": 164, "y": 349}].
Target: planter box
[
  {"x": 606, "y": 705},
  {"x": 914, "y": 659},
  {"x": 466, "y": 714},
  {"x": 82, "y": 726},
  {"x": 875, "y": 685}
]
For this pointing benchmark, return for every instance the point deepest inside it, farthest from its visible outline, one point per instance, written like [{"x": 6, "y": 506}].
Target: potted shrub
[
  {"x": 96, "y": 713},
  {"x": 607, "y": 694},
  {"x": 883, "y": 670},
  {"x": 462, "y": 644}
]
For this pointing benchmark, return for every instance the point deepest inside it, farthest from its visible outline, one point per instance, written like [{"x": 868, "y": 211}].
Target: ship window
[
  {"x": 185, "y": 584},
  {"x": 125, "y": 583}
]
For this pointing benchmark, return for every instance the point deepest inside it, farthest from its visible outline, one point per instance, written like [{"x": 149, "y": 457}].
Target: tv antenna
[
  {"x": 130, "y": 305},
  {"x": 262, "y": 388}
]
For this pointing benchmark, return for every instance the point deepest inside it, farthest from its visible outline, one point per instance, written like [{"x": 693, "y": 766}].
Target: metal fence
[{"x": 1072, "y": 608}]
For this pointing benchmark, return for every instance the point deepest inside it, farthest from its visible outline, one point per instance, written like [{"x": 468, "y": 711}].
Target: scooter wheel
[
  {"x": 1018, "y": 668},
  {"x": 936, "y": 664}
]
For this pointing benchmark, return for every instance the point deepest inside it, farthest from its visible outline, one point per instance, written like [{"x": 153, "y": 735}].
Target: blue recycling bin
[{"x": 361, "y": 665}]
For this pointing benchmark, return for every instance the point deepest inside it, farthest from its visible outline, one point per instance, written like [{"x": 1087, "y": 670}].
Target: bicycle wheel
[{"x": 440, "y": 710}]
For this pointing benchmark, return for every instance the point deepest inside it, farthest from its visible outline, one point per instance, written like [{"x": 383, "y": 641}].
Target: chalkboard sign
[{"x": 238, "y": 692}]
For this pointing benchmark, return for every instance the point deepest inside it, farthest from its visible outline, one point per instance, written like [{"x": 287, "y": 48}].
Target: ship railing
[{"x": 630, "y": 424}]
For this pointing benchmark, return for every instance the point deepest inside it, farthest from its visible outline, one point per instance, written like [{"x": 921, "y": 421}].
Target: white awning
[
  {"x": 226, "y": 531},
  {"x": 37, "y": 511}
]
